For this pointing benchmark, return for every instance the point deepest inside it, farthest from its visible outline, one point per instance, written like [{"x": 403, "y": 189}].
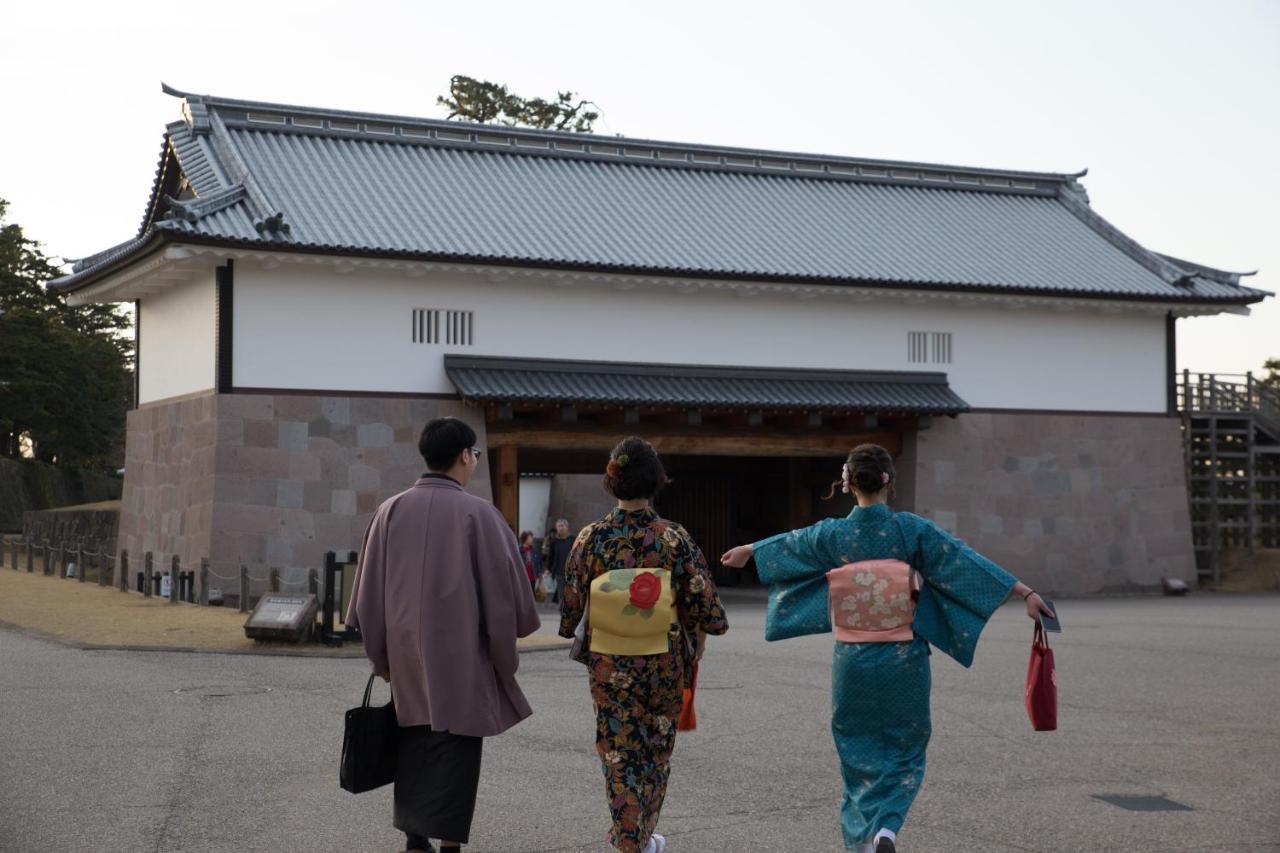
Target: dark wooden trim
[
  {"x": 224, "y": 277},
  {"x": 137, "y": 353},
  {"x": 1171, "y": 362},
  {"x": 329, "y": 392},
  {"x": 690, "y": 440},
  {"x": 1067, "y": 413}
]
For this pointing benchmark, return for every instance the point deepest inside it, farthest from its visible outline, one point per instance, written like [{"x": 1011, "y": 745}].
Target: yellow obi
[{"x": 619, "y": 627}]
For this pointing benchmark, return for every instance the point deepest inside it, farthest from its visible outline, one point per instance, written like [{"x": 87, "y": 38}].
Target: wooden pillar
[
  {"x": 799, "y": 500},
  {"x": 506, "y": 484}
]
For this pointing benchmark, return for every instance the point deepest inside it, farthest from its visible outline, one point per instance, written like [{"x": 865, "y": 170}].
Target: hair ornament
[
  {"x": 622, "y": 460},
  {"x": 884, "y": 477}
]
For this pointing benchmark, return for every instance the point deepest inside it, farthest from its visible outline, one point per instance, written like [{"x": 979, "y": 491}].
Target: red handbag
[
  {"x": 688, "y": 717},
  {"x": 1042, "y": 684}
]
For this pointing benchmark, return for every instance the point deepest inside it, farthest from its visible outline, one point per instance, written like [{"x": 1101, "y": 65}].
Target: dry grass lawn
[{"x": 88, "y": 614}]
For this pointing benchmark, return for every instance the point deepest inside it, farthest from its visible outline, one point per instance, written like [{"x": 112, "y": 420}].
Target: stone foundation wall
[
  {"x": 271, "y": 481},
  {"x": 1071, "y": 504},
  {"x": 95, "y": 525},
  {"x": 167, "y": 506}
]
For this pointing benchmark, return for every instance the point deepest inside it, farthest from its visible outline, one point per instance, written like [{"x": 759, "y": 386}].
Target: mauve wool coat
[{"x": 440, "y": 597}]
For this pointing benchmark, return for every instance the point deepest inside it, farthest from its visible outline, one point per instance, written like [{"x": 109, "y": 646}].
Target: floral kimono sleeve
[
  {"x": 796, "y": 555},
  {"x": 962, "y": 588},
  {"x": 577, "y": 584},
  {"x": 696, "y": 598}
]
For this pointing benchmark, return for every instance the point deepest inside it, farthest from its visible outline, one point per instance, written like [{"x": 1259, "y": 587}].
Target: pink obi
[{"x": 872, "y": 602}]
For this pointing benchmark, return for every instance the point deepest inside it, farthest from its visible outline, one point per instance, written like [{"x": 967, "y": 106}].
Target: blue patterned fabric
[
  {"x": 880, "y": 691},
  {"x": 798, "y": 608},
  {"x": 961, "y": 587},
  {"x": 880, "y": 722}
]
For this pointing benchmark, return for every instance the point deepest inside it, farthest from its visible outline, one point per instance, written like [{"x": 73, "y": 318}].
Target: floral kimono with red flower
[{"x": 638, "y": 697}]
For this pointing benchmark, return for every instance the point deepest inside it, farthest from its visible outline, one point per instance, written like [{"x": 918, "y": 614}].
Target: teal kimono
[{"x": 880, "y": 691}]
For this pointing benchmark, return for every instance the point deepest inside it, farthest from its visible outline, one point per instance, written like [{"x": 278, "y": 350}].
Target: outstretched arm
[{"x": 795, "y": 555}]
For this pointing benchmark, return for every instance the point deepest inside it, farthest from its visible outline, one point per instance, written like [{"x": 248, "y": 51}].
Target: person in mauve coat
[{"x": 440, "y": 597}]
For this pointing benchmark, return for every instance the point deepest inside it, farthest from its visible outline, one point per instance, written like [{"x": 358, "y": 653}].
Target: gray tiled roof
[
  {"x": 486, "y": 379},
  {"x": 428, "y": 189}
]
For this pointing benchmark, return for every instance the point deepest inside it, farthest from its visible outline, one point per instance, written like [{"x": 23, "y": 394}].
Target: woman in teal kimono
[{"x": 880, "y": 690}]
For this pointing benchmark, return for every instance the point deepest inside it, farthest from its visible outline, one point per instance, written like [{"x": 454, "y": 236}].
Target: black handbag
[{"x": 369, "y": 746}]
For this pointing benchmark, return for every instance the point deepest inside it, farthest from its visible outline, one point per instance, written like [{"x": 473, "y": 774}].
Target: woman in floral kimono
[
  {"x": 649, "y": 602},
  {"x": 880, "y": 677}
]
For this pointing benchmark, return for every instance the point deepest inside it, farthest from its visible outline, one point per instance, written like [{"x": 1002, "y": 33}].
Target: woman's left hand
[{"x": 1037, "y": 608}]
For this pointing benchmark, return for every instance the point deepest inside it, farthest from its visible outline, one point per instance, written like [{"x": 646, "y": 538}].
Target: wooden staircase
[{"x": 1231, "y": 436}]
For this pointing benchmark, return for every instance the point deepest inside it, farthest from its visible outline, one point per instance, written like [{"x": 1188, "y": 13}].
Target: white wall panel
[
  {"x": 177, "y": 350},
  {"x": 318, "y": 329}
]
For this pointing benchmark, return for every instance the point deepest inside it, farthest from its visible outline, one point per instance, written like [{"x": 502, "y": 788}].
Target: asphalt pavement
[{"x": 1174, "y": 702}]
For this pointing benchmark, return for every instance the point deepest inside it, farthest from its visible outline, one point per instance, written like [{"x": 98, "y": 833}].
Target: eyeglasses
[{"x": 475, "y": 452}]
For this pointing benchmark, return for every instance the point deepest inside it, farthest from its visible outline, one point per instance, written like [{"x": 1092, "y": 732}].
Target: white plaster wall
[
  {"x": 319, "y": 329},
  {"x": 535, "y": 498},
  {"x": 178, "y": 346}
]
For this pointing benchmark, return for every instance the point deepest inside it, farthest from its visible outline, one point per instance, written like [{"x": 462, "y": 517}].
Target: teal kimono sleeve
[
  {"x": 962, "y": 588},
  {"x": 794, "y": 556}
]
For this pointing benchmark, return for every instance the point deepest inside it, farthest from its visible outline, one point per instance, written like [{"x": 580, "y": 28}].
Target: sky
[{"x": 1173, "y": 106}]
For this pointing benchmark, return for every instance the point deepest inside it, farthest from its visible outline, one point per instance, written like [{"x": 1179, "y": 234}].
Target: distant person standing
[
  {"x": 440, "y": 597},
  {"x": 555, "y": 553},
  {"x": 532, "y": 559}
]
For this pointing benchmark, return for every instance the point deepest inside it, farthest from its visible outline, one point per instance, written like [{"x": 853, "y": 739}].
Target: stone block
[
  {"x": 289, "y": 494},
  {"x": 343, "y": 502},
  {"x": 261, "y": 434},
  {"x": 364, "y": 478},
  {"x": 374, "y": 435},
  {"x": 366, "y": 502},
  {"x": 247, "y": 407},
  {"x": 260, "y": 461},
  {"x": 318, "y": 427},
  {"x": 991, "y": 524},
  {"x": 944, "y": 472},
  {"x": 336, "y": 410},
  {"x": 293, "y": 436},
  {"x": 279, "y": 551},
  {"x": 304, "y": 466},
  {"x": 297, "y": 407},
  {"x": 317, "y": 496},
  {"x": 298, "y": 525}
]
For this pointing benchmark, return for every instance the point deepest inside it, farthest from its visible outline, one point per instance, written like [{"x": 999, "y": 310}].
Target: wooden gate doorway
[{"x": 728, "y": 500}]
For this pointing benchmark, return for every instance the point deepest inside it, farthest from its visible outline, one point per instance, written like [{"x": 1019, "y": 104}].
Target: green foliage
[
  {"x": 1272, "y": 379},
  {"x": 64, "y": 371},
  {"x": 488, "y": 103}
]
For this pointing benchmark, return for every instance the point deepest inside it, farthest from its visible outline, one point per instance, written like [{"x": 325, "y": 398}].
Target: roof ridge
[
  {"x": 1152, "y": 261},
  {"x": 267, "y": 116}
]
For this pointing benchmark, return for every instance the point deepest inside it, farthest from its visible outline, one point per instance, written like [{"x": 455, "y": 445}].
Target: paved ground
[{"x": 147, "y": 751}]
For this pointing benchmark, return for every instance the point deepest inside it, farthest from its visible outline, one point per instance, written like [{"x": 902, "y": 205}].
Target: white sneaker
[{"x": 657, "y": 844}]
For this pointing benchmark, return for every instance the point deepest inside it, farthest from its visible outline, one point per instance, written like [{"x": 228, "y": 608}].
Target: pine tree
[{"x": 488, "y": 103}]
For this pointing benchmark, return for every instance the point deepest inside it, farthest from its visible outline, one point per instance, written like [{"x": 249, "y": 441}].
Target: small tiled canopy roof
[
  {"x": 290, "y": 178},
  {"x": 494, "y": 380}
]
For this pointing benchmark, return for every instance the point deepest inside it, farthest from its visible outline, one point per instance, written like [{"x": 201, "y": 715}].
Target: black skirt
[{"x": 437, "y": 774}]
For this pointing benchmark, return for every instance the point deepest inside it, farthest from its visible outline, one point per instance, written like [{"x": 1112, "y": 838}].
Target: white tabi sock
[
  {"x": 866, "y": 847},
  {"x": 884, "y": 833}
]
